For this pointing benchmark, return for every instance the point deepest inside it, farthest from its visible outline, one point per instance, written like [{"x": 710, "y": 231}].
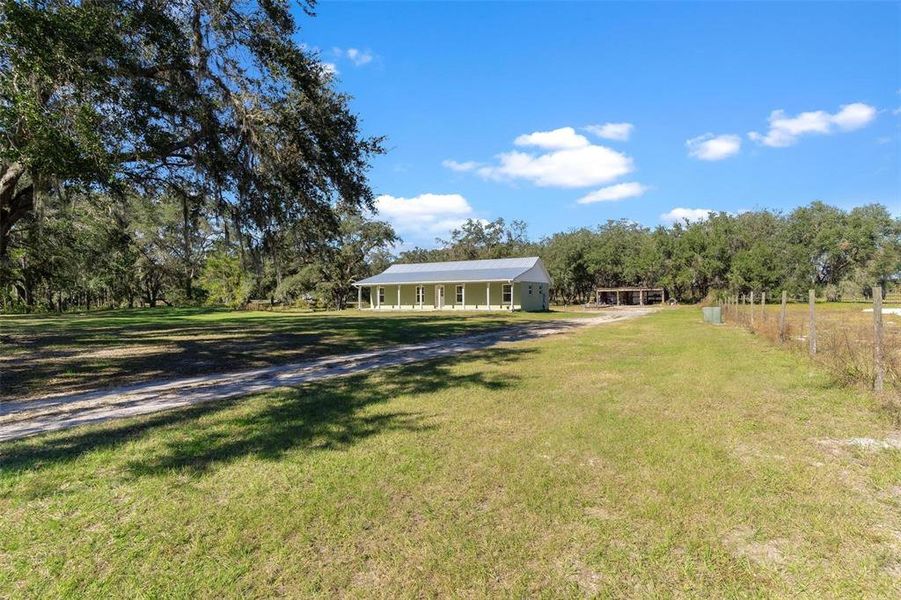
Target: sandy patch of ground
[
  {"x": 599, "y": 512},
  {"x": 767, "y": 553},
  {"x": 891, "y": 442},
  {"x": 589, "y": 581}
]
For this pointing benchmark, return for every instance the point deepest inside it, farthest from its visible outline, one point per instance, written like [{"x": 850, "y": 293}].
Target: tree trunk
[
  {"x": 239, "y": 235},
  {"x": 186, "y": 240},
  {"x": 28, "y": 288},
  {"x": 15, "y": 203},
  {"x": 278, "y": 265}
]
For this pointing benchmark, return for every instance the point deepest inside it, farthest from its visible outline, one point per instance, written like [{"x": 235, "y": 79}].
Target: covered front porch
[{"x": 487, "y": 295}]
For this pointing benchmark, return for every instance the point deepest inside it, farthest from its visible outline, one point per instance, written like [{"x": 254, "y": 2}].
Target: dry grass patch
[{"x": 845, "y": 334}]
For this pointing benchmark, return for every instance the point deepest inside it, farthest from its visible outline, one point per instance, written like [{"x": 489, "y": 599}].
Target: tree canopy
[{"x": 212, "y": 106}]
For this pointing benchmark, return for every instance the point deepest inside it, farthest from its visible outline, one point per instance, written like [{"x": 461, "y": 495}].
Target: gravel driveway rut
[{"x": 52, "y": 413}]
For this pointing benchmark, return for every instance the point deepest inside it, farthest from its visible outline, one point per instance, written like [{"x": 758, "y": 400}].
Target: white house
[{"x": 495, "y": 284}]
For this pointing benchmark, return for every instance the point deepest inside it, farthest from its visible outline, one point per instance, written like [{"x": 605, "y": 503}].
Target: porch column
[
  {"x": 378, "y": 296},
  {"x": 617, "y": 297},
  {"x": 512, "y": 295},
  {"x": 488, "y": 294},
  {"x": 359, "y": 298},
  {"x": 464, "y": 296},
  {"x": 421, "y": 296},
  {"x": 398, "y": 296},
  {"x": 641, "y": 297}
]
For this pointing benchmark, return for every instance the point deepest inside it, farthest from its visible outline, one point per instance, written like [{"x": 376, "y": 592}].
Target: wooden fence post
[
  {"x": 878, "y": 356},
  {"x": 782, "y": 317},
  {"x": 751, "y": 308},
  {"x": 812, "y": 332}
]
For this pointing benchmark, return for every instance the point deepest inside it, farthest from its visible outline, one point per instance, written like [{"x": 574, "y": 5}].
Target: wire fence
[{"x": 859, "y": 342}]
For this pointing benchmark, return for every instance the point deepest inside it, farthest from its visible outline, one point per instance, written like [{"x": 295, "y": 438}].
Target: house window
[
  {"x": 420, "y": 294},
  {"x": 459, "y": 294},
  {"x": 507, "y": 293},
  {"x": 530, "y": 289},
  {"x": 381, "y": 296}
]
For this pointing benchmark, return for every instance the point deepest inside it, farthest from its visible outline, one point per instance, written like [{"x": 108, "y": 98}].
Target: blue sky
[{"x": 569, "y": 114}]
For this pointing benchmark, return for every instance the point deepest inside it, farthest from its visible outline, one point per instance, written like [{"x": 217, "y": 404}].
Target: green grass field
[
  {"x": 54, "y": 353},
  {"x": 657, "y": 456}
]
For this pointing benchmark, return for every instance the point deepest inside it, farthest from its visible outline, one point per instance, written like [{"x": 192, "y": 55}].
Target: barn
[{"x": 494, "y": 284}]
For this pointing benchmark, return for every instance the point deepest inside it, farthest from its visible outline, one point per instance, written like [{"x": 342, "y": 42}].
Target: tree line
[
  {"x": 841, "y": 254},
  {"x": 103, "y": 252},
  {"x": 81, "y": 254}
]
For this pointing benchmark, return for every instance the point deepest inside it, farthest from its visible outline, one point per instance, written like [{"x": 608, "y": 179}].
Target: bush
[{"x": 225, "y": 280}]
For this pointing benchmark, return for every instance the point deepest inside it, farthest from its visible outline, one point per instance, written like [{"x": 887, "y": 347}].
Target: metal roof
[{"x": 462, "y": 271}]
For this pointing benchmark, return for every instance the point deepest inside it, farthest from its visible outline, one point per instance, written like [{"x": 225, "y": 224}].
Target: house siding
[
  {"x": 532, "y": 295},
  {"x": 476, "y": 297}
]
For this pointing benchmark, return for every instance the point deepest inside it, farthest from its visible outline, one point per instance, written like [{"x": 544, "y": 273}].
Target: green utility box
[{"x": 713, "y": 314}]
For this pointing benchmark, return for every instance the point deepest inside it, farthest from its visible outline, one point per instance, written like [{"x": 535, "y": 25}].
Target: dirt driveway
[{"x": 62, "y": 411}]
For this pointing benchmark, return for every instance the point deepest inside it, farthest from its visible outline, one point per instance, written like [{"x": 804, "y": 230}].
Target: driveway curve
[{"x": 52, "y": 413}]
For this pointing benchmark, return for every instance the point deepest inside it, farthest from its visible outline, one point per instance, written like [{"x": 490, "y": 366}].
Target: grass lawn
[
  {"x": 53, "y": 353},
  {"x": 657, "y": 456}
]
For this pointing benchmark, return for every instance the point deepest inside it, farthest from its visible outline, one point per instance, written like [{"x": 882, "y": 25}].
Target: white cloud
[
  {"x": 359, "y": 57},
  {"x": 854, "y": 116},
  {"x": 558, "y": 139},
  {"x": 355, "y": 55},
  {"x": 329, "y": 68},
  {"x": 424, "y": 216},
  {"x": 461, "y": 167},
  {"x": 612, "y": 131},
  {"x": 677, "y": 215},
  {"x": 576, "y": 167},
  {"x": 563, "y": 159},
  {"x": 612, "y": 193},
  {"x": 713, "y": 147},
  {"x": 785, "y": 130}
]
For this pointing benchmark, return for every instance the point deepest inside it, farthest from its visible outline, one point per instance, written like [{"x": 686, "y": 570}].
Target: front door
[{"x": 439, "y": 296}]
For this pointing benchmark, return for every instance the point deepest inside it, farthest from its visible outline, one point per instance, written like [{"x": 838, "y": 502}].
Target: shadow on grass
[
  {"x": 327, "y": 415},
  {"x": 73, "y": 353}
]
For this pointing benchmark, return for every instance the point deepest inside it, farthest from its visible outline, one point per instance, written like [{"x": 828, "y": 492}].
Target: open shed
[{"x": 630, "y": 296}]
